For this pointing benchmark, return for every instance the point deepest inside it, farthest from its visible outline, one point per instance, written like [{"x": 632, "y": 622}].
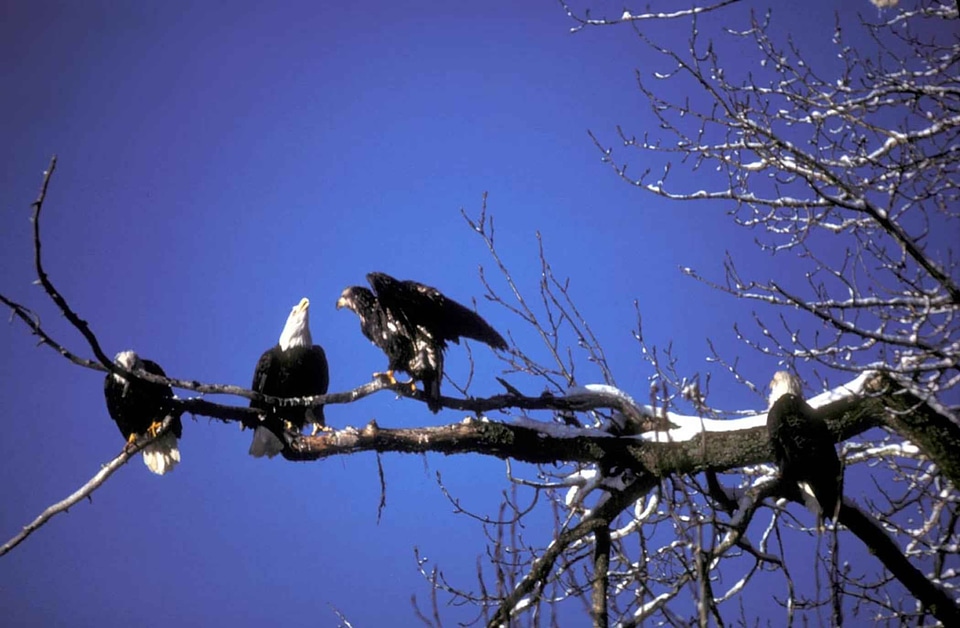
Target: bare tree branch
[
  {"x": 601, "y": 565},
  {"x": 805, "y": 154},
  {"x": 87, "y": 489},
  {"x": 873, "y": 536},
  {"x": 80, "y": 324}
]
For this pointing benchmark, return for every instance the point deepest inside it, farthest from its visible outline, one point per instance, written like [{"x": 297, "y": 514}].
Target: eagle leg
[
  {"x": 131, "y": 442},
  {"x": 386, "y": 376},
  {"x": 389, "y": 378},
  {"x": 154, "y": 428}
]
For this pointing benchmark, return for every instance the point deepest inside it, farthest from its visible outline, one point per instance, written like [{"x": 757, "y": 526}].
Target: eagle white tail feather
[
  {"x": 162, "y": 455},
  {"x": 265, "y": 443},
  {"x": 813, "y": 505},
  {"x": 809, "y": 499}
]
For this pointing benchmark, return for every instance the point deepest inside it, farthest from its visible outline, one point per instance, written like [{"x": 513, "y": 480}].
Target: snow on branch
[
  {"x": 629, "y": 16},
  {"x": 863, "y": 148}
]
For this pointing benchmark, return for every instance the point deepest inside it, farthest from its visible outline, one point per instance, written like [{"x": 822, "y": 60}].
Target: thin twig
[
  {"x": 55, "y": 295},
  {"x": 383, "y": 488},
  {"x": 33, "y": 322}
]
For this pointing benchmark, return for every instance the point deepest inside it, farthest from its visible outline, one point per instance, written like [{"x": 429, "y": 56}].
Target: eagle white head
[
  {"x": 784, "y": 383},
  {"x": 128, "y": 360},
  {"x": 296, "y": 333}
]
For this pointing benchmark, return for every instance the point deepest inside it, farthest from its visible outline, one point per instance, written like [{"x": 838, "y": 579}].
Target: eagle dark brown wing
[
  {"x": 412, "y": 323},
  {"x": 425, "y": 307}
]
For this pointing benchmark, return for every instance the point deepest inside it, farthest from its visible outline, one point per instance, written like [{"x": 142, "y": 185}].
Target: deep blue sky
[{"x": 220, "y": 160}]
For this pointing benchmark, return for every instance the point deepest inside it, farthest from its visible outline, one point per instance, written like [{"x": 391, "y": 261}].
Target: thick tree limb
[
  {"x": 936, "y": 435},
  {"x": 601, "y": 579},
  {"x": 716, "y": 451}
]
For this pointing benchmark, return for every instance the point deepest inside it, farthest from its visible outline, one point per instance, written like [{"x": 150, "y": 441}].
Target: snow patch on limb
[
  {"x": 593, "y": 396},
  {"x": 644, "y": 611},
  {"x": 642, "y": 514},
  {"x": 737, "y": 587},
  {"x": 852, "y": 388},
  {"x": 592, "y": 391},
  {"x": 583, "y": 482},
  {"x": 904, "y": 449},
  {"x": 684, "y": 428},
  {"x": 689, "y": 427},
  {"x": 522, "y": 605},
  {"x": 643, "y": 509}
]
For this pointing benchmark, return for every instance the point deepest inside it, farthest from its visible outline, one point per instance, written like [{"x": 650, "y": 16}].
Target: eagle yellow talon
[
  {"x": 390, "y": 378},
  {"x": 132, "y": 438},
  {"x": 317, "y": 428},
  {"x": 154, "y": 428},
  {"x": 411, "y": 323},
  {"x": 386, "y": 376}
]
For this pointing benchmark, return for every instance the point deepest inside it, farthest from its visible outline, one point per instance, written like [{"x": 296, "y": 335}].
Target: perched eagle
[
  {"x": 804, "y": 449},
  {"x": 412, "y": 324},
  {"x": 294, "y": 367},
  {"x": 139, "y": 408}
]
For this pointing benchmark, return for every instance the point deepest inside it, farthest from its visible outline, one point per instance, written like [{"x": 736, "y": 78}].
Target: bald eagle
[
  {"x": 139, "y": 408},
  {"x": 294, "y": 367},
  {"x": 412, "y": 324},
  {"x": 804, "y": 449}
]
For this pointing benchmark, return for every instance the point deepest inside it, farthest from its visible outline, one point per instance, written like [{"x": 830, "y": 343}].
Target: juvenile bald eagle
[
  {"x": 804, "y": 449},
  {"x": 294, "y": 367},
  {"x": 412, "y": 324},
  {"x": 140, "y": 407}
]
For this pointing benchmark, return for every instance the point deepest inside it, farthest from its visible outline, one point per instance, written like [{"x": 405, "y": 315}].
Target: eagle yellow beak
[{"x": 303, "y": 305}]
